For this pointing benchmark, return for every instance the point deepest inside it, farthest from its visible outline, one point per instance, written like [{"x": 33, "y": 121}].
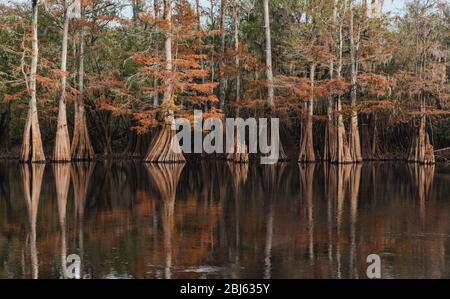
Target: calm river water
[{"x": 220, "y": 220}]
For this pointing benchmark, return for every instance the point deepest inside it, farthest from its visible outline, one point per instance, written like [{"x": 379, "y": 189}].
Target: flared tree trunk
[
  {"x": 61, "y": 152},
  {"x": 307, "y": 142},
  {"x": 165, "y": 147},
  {"x": 342, "y": 150},
  {"x": 421, "y": 150},
  {"x": 32, "y": 150},
  {"x": 240, "y": 150},
  {"x": 81, "y": 143},
  {"x": 354, "y": 139}
]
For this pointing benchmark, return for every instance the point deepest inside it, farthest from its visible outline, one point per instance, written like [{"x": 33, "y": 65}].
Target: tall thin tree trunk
[
  {"x": 81, "y": 143},
  {"x": 307, "y": 143},
  {"x": 165, "y": 147},
  {"x": 355, "y": 143},
  {"x": 240, "y": 154},
  {"x": 61, "y": 152},
  {"x": 32, "y": 150},
  {"x": 269, "y": 71},
  {"x": 155, "y": 46},
  {"x": 223, "y": 9},
  {"x": 236, "y": 49},
  {"x": 342, "y": 148},
  {"x": 329, "y": 153},
  {"x": 168, "y": 92}
]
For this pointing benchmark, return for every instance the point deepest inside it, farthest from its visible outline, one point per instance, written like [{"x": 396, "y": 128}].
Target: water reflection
[
  {"x": 164, "y": 178},
  {"x": 219, "y": 219},
  {"x": 32, "y": 181}
]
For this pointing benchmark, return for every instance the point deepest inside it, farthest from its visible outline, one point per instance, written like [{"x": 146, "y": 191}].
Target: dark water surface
[{"x": 219, "y": 220}]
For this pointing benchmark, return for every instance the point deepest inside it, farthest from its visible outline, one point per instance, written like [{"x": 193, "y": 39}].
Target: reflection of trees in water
[
  {"x": 342, "y": 181},
  {"x": 5, "y": 187},
  {"x": 272, "y": 184},
  {"x": 81, "y": 174},
  {"x": 32, "y": 181},
  {"x": 422, "y": 176},
  {"x": 62, "y": 183},
  {"x": 354, "y": 184},
  {"x": 239, "y": 175},
  {"x": 306, "y": 187},
  {"x": 276, "y": 220},
  {"x": 100, "y": 196},
  {"x": 164, "y": 177}
]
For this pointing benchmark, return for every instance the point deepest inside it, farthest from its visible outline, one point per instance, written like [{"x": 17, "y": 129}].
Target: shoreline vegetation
[{"x": 81, "y": 80}]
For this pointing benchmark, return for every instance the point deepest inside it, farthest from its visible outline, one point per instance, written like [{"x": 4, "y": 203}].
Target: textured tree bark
[
  {"x": 354, "y": 143},
  {"x": 81, "y": 143},
  {"x": 155, "y": 48},
  {"x": 165, "y": 147},
  {"x": 32, "y": 150},
  {"x": 307, "y": 143},
  {"x": 61, "y": 152},
  {"x": 421, "y": 150},
  {"x": 269, "y": 71},
  {"x": 330, "y": 144}
]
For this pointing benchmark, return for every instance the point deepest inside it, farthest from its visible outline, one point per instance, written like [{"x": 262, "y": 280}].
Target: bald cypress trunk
[
  {"x": 81, "y": 143},
  {"x": 269, "y": 71},
  {"x": 330, "y": 144},
  {"x": 61, "y": 152},
  {"x": 223, "y": 8},
  {"x": 421, "y": 150},
  {"x": 240, "y": 154},
  {"x": 32, "y": 150},
  {"x": 354, "y": 143},
  {"x": 342, "y": 149},
  {"x": 307, "y": 142},
  {"x": 165, "y": 147}
]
